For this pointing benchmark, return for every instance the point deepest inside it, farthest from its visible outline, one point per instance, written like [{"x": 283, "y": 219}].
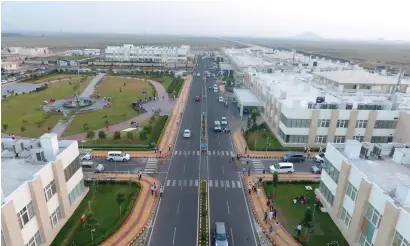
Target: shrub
[
  {"x": 143, "y": 135},
  {"x": 117, "y": 135},
  {"x": 147, "y": 128},
  {"x": 130, "y": 135},
  {"x": 102, "y": 135},
  {"x": 90, "y": 134}
]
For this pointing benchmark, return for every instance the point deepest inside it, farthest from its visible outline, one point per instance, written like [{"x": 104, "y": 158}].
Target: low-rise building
[
  {"x": 365, "y": 189},
  {"x": 131, "y": 53},
  {"x": 31, "y": 52},
  {"x": 84, "y": 52},
  {"x": 41, "y": 186}
]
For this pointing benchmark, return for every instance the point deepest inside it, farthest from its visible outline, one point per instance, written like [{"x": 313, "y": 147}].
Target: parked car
[
  {"x": 282, "y": 167},
  {"x": 198, "y": 74},
  {"x": 86, "y": 157},
  {"x": 197, "y": 99},
  {"x": 293, "y": 157},
  {"x": 217, "y": 126},
  {"x": 224, "y": 121},
  {"x": 95, "y": 167},
  {"x": 118, "y": 156},
  {"x": 320, "y": 158},
  {"x": 221, "y": 99},
  {"x": 187, "y": 133},
  {"x": 317, "y": 168},
  {"x": 219, "y": 234}
]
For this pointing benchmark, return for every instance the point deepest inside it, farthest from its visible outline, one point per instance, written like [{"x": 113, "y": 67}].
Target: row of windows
[
  {"x": 293, "y": 138},
  {"x": 373, "y": 216},
  {"x": 323, "y": 123},
  {"x": 50, "y": 190},
  {"x": 55, "y": 217},
  {"x": 295, "y": 123},
  {"x": 381, "y": 139},
  {"x": 25, "y": 215},
  {"x": 345, "y": 217},
  {"x": 339, "y": 139},
  {"x": 363, "y": 241},
  {"x": 329, "y": 197},
  {"x": 76, "y": 192},
  {"x": 331, "y": 170},
  {"x": 321, "y": 139},
  {"x": 399, "y": 240},
  {"x": 385, "y": 124},
  {"x": 361, "y": 124},
  {"x": 35, "y": 240},
  {"x": 351, "y": 192},
  {"x": 358, "y": 138},
  {"x": 72, "y": 168},
  {"x": 342, "y": 123}
]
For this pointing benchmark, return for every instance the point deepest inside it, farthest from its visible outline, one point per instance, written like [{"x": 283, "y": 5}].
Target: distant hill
[
  {"x": 11, "y": 34},
  {"x": 308, "y": 36}
]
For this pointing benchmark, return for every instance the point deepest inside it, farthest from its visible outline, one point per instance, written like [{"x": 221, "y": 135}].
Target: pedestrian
[
  {"x": 275, "y": 213},
  {"x": 249, "y": 189},
  {"x": 265, "y": 217},
  {"x": 260, "y": 180},
  {"x": 264, "y": 171},
  {"x": 152, "y": 189},
  {"x": 249, "y": 171},
  {"x": 258, "y": 192},
  {"x": 268, "y": 204},
  {"x": 320, "y": 149},
  {"x": 277, "y": 226},
  {"x": 299, "y": 229},
  {"x": 169, "y": 147},
  {"x": 160, "y": 150},
  {"x": 246, "y": 149},
  {"x": 243, "y": 170},
  {"x": 161, "y": 190},
  {"x": 155, "y": 150},
  {"x": 270, "y": 229},
  {"x": 153, "y": 109},
  {"x": 139, "y": 175},
  {"x": 270, "y": 216}
]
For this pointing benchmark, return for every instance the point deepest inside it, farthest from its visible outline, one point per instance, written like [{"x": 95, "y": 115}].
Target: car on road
[
  {"x": 187, "y": 133},
  {"x": 118, "y": 156},
  {"x": 221, "y": 99},
  {"x": 86, "y": 157},
  {"x": 320, "y": 158},
  {"x": 293, "y": 157},
  {"x": 197, "y": 99},
  {"x": 217, "y": 126},
  {"x": 216, "y": 90},
  {"x": 219, "y": 234},
  {"x": 198, "y": 75},
  {"x": 224, "y": 121},
  {"x": 95, "y": 167},
  {"x": 282, "y": 167},
  {"x": 317, "y": 168}
]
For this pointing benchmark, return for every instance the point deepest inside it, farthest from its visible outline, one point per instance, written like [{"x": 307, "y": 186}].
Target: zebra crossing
[
  {"x": 210, "y": 152},
  {"x": 211, "y": 183},
  {"x": 150, "y": 166},
  {"x": 257, "y": 165}
]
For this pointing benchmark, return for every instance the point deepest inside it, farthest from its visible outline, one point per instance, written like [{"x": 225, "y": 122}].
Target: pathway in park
[
  {"x": 163, "y": 102},
  {"x": 63, "y": 123}
]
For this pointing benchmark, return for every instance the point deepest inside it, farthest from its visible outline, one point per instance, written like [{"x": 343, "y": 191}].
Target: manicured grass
[
  {"x": 52, "y": 77},
  {"x": 289, "y": 214},
  {"x": 105, "y": 208},
  {"x": 24, "y": 110},
  {"x": 119, "y": 111}
]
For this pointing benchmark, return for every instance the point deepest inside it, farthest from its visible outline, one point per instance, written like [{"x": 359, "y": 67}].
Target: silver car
[{"x": 220, "y": 236}]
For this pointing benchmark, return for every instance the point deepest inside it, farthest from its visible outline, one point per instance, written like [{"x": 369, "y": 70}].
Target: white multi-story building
[
  {"x": 314, "y": 109},
  {"x": 84, "y": 52},
  {"x": 365, "y": 189},
  {"x": 129, "y": 52},
  {"x": 31, "y": 52},
  {"x": 41, "y": 185}
]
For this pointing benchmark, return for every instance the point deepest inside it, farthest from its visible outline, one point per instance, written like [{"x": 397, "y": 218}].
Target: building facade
[
  {"x": 31, "y": 52},
  {"x": 153, "y": 54},
  {"x": 294, "y": 111},
  {"x": 84, "y": 52},
  {"x": 42, "y": 185},
  {"x": 368, "y": 198}
]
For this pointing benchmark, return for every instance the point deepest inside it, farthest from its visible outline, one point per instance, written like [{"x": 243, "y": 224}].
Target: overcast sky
[{"x": 347, "y": 19}]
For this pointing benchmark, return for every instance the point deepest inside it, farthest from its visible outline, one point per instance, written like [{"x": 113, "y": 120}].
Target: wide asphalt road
[
  {"x": 227, "y": 202},
  {"x": 176, "y": 222}
]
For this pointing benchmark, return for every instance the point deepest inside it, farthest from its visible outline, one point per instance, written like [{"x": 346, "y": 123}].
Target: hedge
[
  {"x": 163, "y": 130},
  {"x": 269, "y": 182},
  {"x": 204, "y": 214},
  {"x": 157, "y": 128}
]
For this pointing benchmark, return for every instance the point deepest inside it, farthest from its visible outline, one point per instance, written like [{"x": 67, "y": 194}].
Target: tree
[
  {"x": 253, "y": 117},
  {"x": 90, "y": 134},
  {"x": 148, "y": 129},
  {"x": 130, "y": 135},
  {"x": 117, "y": 135},
  {"x": 22, "y": 129},
  {"x": 91, "y": 222},
  {"x": 101, "y": 134},
  {"x": 120, "y": 200},
  {"x": 5, "y": 126},
  {"x": 249, "y": 122},
  {"x": 275, "y": 179},
  {"x": 308, "y": 218},
  {"x": 143, "y": 135},
  {"x": 86, "y": 127}
]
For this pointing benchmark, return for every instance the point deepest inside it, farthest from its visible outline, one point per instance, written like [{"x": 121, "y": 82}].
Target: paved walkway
[
  {"x": 140, "y": 215},
  {"x": 282, "y": 237}
]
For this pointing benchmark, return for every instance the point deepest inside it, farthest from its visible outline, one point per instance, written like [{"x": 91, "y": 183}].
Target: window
[
  {"x": 361, "y": 124},
  {"x": 298, "y": 139},
  {"x": 72, "y": 168},
  {"x": 35, "y": 240},
  {"x": 399, "y": 240},
  {"x": 331, "y": 170},
  {"x": 345, "y": 217},
  {"x": 339, "y": 139},
  {"x": 385, "y": 124},
  {"x": 381, "y": 139},
  {"x": 50, "y": 190},
  {"x": 373, "y": 216},
  {"x": 351, "y": 192},
  {"x": 25, "y": 215},
  {"x": 294, "y": 123},
  {"x": 323, "y": 123},
  {"x": 342, "y": 123},
  {"x": 363, "y": 241},
  {"x": 321, "y": 138},
  {"x": 76, "y": 192},
  {"x": 358, "y": 138},
  {"x": 55, "y": 217},
  {"x": 327, "y": 194}
]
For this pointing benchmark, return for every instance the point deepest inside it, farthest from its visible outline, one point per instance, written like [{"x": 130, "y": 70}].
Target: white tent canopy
[{"x": 246, "y": 98}]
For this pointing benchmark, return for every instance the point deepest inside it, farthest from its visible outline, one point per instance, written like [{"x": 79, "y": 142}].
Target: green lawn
[
  {"x": 291, "y": 214},
  {"x": 105, "y": 208},
  {"x": 24, "y": 110},
  {"x": 52, "y": 77},
  {"x": 119, "y": 111}
]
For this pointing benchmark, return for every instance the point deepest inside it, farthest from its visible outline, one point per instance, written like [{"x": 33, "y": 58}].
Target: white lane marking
[
  {"x": 223, "y": 171},
  {"x": 173, "y": 240},
  {"x": 222, "y": 183},
  {"x": 216, "y": 183},
  {"x": 185, "y": 182},
  {"x": 168, "y": 182},
  {"x": 233, "y": 184},
  {"x": 173, "y": 182},
  {"x": 239, "y": 184},
  {"x": 179, "y": 202},
  {"x": 227, "y": 184},
  {"x": 190, "y": 182},
  {"x": 233, "y": 243},
  {"x": 196, "y": 182},
  {"x": 227, "y": 205},
  {"x": 210, "y": 183}
]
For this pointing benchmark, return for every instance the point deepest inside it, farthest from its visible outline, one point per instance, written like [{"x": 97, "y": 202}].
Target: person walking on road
[
  {"x": 265, "y": 217},
  {"x": 161, "y": 190},
  {"x": 152, "y": 189},
  {"x": 249, "y": 171},
  {"x": 258, "y": 192},
  {"x": 139, "y": 175},
  {"x": 249, "y": 189},
  {"x": 270, "y": 216},
  {"x": 264, "y": 171},
  {"x": 299, "y": 229},
  {"x": 277, "y": 226},
  {"x": 275, "y": 213},
  {"x": 243, "y": 170}
]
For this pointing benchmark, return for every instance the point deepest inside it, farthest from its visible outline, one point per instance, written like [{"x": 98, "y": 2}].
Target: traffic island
[
  {"x": 203, "y": 211},
  {"x": 204, "y": 138}
]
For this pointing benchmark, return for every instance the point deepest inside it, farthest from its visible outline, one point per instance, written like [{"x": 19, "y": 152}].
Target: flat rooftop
[
  {"x": 358, "y": 77},
  {"x": 15, "y": 171},
  {"x": 247, "y": 98},
  {"x": 300, "y": 89},
  {"x": 386, "y": 173}
]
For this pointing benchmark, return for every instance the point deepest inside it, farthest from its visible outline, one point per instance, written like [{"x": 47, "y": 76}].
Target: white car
[
  {"x": 282, "y": 167},
  {"x": 198, "y": 74},
  {"x": 216, "y": 90},
  {"x": 187, "y": 133},
  {"x": 319, "y": 158},
  {"x": 221, "y": 99},
  {"x": 86, "y": 157},
  {"x": 118, "y": 156},
  {"x": 224, "y": 121}
]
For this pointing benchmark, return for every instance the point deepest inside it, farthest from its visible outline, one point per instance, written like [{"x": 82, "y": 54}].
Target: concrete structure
[
  {"x": 304, "y": 108},
  {"x": 67, "y": 63},
  {"x": 129, "y": 52},
  {"x": 246, "y": 98},
  {"x": 31, "y": 52},
  {"x": 10, "y": 60},
  {"x": 84, "y": 52},
  {"x": 42, "y": 184},
  {"x": 366, "y": 191}
]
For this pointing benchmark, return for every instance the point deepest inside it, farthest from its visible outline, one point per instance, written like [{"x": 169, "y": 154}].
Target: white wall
[
  {"x": 29, "y": 229},
  {"x": 359, "y": 131},
  {"x": 383, "y": 132},
  {"x": 74, "y": 180},
  {"x": 377, "y": 198},
  {"x": 325, "y": 114},
  {"x": 344, "y": 114},
  {"x": 363, "y": 114},
  {"x": 69, "y": 154},
  {"x": 323, "y": 131},
  {"x": 403, "y": 224},
  {"x": 46, "y": 174},
  {"x": 293, "y": 131},
  {"x": 296, "y": 113},
  {"x": 328, "y": 181},
  {"x": 355, "y": 177},
  {"x": 334, "y": 156},
  {"x": 387, "y": 115},
  {"x": 52, "y": 204},
  {"x": 348, "y": 204},
  {"x": 20, "y": 197},
  {"x": 340, "y": 131}
]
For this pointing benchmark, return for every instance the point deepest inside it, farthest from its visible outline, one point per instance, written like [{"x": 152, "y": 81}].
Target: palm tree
[
  {"x": 91, "y": 223},
  {"x": 120, "y": 200}
]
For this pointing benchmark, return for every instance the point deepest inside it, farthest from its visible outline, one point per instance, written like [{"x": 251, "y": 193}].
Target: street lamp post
[
  {"x": 92, "y": 236},
  {"x": 82, "y": 145}
]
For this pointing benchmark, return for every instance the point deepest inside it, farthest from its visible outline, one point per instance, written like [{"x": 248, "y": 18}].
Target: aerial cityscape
[{"x": 205, "y": 123}]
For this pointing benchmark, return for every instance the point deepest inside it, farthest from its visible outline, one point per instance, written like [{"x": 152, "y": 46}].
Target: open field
[
  {"x": 53, "y": 77},
  {"x": 64, "y": 42},
  {"x": 119, "y": 111},
  {"x": 368, "y": 54},
  {"x": 23, "y": 110},
  {"x": 104, "y": 206}
]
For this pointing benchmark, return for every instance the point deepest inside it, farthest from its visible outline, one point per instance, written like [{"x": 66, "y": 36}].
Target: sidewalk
[
  {"x": 282, "y": 237},
  {"x": 141, "y": 212},
  {"x": 240, "y": 145}
]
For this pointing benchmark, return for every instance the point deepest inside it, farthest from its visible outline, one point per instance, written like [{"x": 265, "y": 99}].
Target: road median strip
[{"x": 203, "y": 212}]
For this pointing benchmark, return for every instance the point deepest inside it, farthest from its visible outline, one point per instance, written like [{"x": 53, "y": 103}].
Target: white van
[
  {"x": 118, "y": 156},
  {"x": 91, "y": 166},
  {"x": 282, "y": 167}
]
